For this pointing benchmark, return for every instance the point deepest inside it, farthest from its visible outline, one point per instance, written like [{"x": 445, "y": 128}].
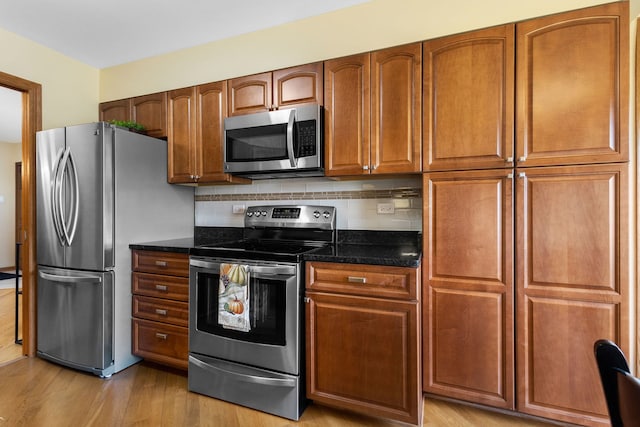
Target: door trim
[{"x": 31, "y": 123}]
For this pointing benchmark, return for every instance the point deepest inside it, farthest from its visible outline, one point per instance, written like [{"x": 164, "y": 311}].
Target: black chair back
[{"x": 610, "y": 360}]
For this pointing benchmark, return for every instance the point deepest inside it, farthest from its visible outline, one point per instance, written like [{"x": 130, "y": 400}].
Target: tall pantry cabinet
[{"x": 527, "y": 220}]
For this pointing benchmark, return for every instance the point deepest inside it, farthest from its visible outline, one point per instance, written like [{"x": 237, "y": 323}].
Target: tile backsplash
[{"x": 356, "y": 202}]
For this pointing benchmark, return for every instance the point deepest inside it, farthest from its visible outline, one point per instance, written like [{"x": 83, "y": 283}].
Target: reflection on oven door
[{"x": 272, "y": 392}]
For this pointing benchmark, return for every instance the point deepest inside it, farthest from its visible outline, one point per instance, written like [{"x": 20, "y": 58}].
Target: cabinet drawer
[
  {"x": 169, "y": 263},
  {"x": 155, "y": 285},
  {"x": 161, "y": 310},
  {"x": 367, "y": 280},
  {"x": 161, "y": 343}
]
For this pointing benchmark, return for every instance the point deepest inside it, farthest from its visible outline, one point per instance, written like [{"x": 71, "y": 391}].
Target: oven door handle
[
  {"x": 256, "y": 270},
  {"x": 253, "y": 379}
]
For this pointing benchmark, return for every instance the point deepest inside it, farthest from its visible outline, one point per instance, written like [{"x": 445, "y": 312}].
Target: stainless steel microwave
[{"x": 275, "y": 144}]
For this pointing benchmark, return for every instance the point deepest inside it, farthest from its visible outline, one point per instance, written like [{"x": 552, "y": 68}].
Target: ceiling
[{"x": 103, "y": 34}]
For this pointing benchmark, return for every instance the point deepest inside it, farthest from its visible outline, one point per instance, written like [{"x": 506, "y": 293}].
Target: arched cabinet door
[{"x": 573, "y": 87}]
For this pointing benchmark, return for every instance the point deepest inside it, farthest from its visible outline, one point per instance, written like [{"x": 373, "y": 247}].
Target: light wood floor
[
  {"x": 8, "y": 349},
  {"x": 34, "y": 392}
]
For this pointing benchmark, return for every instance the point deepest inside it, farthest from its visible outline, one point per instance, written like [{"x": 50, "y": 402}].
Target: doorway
[{"x": 31, "y": 123}]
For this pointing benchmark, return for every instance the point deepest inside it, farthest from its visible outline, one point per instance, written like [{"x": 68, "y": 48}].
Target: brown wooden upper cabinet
[
  {"x": 573, "y": 87},
  {"x": 373, "y": 105},
  {"x": 115, "y": 110},
  {"x": 195, "y": 141},
  {"x": 147, "y": 110},
  {"x": 286, "y": 88},
  {"x": 468, "y": 100}
]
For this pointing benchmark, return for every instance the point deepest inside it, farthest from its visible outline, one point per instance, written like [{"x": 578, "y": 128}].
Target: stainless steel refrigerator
[{"x": 99, "y": 189}]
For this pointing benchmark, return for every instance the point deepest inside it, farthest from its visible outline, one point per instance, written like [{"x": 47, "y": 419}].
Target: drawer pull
[
  {"x": 161, "y": 287},
  {"x": 161, "y": 263},
  {"x": 161, "y": 312},
  {"x": 353, "y": 279},
  {"x": 161, "y": 336}
]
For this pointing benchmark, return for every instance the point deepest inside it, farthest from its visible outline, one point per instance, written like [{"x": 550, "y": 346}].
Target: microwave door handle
[{"x": 292, "y": 157}]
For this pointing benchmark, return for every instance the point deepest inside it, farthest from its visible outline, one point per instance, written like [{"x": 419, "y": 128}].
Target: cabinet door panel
[
  {"x": 347, "y": 115},
  {"x": 115, "y": 110},
  {"x": 572, "y": 286},
  {"x": 560, "y": 374},
  {"x": 182, "y": 136},
  {"x": 211, "y": 110},
  {"x": 151, "y": 112},
  {"x": 396, "y": 95},
  {"x": 250, "y": 94},
  {"x": 573, "y": 87},
  {"x": 371, "y": 364},
  {"x": 469, "y": 100},
  {"x": 297, "y": 86},
  {"x": 468, "y": 286}
]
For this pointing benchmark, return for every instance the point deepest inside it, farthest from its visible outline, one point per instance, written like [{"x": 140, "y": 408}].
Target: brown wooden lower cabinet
[
  {"x": 468, "y": 297},
  {"x": 363, "y": 346},
  {"x": 568, "y": 254},
  {"x": 160, "y": 287},
  {"x": 572, "y": 286}
]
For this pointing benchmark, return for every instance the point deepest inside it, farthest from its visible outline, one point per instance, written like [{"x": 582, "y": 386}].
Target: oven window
[
  {"x": 257, "y": 143},
  {"x": 266, "y": 309}
]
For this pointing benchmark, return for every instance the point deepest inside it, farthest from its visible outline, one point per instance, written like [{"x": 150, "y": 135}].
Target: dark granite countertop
[
  {"x": 401, "y": 249},
  {"x": 182, "y": 246}
]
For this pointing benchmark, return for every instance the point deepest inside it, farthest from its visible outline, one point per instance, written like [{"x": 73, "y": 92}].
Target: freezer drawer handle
[
  {"x": 161, "y": 336},
  {"x": 161, "y": 287},
  {"x": 70, "y": 279},
  {"x": 254, "y": 379}
]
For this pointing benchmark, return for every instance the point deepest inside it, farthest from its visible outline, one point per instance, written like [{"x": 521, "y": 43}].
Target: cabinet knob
[
  {"x": 161, "y": 336},
  {"x": 509, "y": 159},
  {"x": 161, "y": 312},
  {"x": 365, "y": 167},
  {"x": 522, "y": 159},
  {"x": 161, "y": 263},
  {"x": 307, "y": 300},
  {"x": 522, "y": 175},
  {"x": 353, "y": 279},
  {"x": 161, "y": 287}
]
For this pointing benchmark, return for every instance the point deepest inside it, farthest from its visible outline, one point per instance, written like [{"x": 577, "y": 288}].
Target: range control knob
[
  {"x": 249, "y": 214},
  {"x": 326, "y": 214},
  {"x": 316, "y": 214},
  {"x": 257, "y": 213},
  {"x": 264, "y": 213}
]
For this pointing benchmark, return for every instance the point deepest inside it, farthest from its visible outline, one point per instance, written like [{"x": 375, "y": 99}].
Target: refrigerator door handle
[
  {"x": 73, "y": 221},
  {"x": 56, "y": 197},
  {"x": 69, "y": 226},
  {"x": 70, "y": 279}
]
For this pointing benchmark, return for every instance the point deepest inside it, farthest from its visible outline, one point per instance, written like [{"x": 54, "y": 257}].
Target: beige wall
[
  {"x": 9, "y": 155},
  {"x": 369, "y": 26},
  {"x": 69, "y": 88}
]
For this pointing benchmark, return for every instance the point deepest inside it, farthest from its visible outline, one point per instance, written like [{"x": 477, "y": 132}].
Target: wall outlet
[
  {"x": 239, "y": 209},
  {"x": 385, "y": 208}
]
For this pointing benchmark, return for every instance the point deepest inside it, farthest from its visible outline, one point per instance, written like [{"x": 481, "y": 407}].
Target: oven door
[{"x": 274, "y": 314}]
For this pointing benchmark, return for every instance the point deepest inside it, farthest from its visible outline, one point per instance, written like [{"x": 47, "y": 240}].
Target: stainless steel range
[{"x": 246, "y": 325}]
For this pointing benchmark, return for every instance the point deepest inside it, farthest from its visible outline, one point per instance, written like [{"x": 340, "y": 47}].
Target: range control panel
[{"x": 294, "y": 216}]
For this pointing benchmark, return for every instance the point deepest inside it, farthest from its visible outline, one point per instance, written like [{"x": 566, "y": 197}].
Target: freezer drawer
[{"x": 75, "y": 325}]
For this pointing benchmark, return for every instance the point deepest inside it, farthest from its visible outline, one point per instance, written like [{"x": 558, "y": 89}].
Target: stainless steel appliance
[
  {"x": 261, "y": 366},
  {"x": 274, "y": 144},
  {"x": 99, "y": 188}
]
